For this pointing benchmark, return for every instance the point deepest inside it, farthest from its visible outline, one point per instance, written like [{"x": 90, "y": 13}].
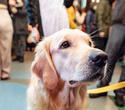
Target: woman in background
[
  {"x": 20, "y": 29},
  {"x": 54, "y": 16},
  {"x": 6, "y": 33},
  {"x": 71, "y": 13}
]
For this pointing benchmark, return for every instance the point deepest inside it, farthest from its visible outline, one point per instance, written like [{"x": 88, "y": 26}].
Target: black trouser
[
  {"x": 19, "y": 48},
  {"x": 114, "y": 48},
  {"x": 99, "y": 42}
]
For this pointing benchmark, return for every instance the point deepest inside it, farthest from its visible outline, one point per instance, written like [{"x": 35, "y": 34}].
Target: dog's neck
[{"x": 65, "y": 96}]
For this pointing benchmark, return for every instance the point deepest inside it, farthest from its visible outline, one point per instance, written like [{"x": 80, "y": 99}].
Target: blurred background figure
[
  {"x": 20, "y": 23},
  {"x": 120, "y": 93},
  {"x": 101, "y": 23},
  {"x": 34, "y": 19},
  {"x": 114, "y": 49},
  {"x": 6, "y": 32},
  {"x": 79, "y": 15},
  {"x": 71, "y": 13},
  {"x": 90, "y": 16},
  {"x": 54, "y": 16}
]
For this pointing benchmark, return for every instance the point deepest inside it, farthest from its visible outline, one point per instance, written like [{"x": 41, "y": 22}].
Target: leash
[{"x": 107, "y": 88}]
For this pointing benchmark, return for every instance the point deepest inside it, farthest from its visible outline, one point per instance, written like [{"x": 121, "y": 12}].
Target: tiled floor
[{"x": 13, "y": 91}]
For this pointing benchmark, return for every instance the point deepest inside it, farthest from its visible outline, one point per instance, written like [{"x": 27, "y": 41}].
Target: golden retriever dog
[{"x": 65, "y": 64}]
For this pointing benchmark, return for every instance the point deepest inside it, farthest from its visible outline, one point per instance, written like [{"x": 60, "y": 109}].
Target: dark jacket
[
  {"x": 20, "y": 21},
  {"x": 34, "y": 16},
  {"x": 118, "y": 14},
  {"x": 103, "y": 16}
]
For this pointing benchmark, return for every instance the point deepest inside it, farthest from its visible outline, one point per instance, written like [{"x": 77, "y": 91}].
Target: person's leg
[
  {"x": 100, "y": 43},
  {"x": 16, "y": 46},
  {"x": 113, "y": 49},
  {"x": 22, "y": 47},
  {"x": 5, "y": 44},
  {"x": 0, "y": 56},
  {"x": 119, "y": 93}
]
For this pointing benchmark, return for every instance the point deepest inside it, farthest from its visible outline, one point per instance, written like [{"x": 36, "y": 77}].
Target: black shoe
[
  {"x": 5, "y": 78},
  {"x": 16, "y": 59},
  {"x": 119, "y": 100},
  {"x": 21, "y": 59},
  {"x": 97, "y": 95}
]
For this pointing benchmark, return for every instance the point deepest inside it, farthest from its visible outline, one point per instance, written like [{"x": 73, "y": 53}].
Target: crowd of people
[{"x": 103, "y": 21}]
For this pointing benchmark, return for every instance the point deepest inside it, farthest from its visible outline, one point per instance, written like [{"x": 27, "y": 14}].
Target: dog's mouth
[
  {"x": 96, "y": 77},
  {"x": 73, "y": 83},
  {"x": 93, "y": 78}
]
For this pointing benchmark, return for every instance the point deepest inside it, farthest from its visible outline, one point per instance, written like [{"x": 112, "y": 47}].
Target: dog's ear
[{"x": 43, "y": 65}]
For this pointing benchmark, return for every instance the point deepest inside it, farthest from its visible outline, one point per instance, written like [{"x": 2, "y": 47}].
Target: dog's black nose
[{"x": 98, "y": 59}]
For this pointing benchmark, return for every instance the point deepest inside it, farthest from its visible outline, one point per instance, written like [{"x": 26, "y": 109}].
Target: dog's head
[{"x": 69, "y": 55}]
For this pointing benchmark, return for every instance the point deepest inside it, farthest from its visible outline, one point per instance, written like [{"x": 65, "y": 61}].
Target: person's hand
[
  {"x": 14, "y": 10},
  {"x": 36, "y": 34},
  {"x": 12, "y": 2},
  {"x": 102, "y": 34}
]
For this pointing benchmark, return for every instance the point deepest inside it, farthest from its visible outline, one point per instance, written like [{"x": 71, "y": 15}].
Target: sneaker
[
  {"x": 21, "y": 59},
  {"x": 16, "y": 59},
  {"x": 119, "y": 100},
  {"x": 97, "y": 95}
]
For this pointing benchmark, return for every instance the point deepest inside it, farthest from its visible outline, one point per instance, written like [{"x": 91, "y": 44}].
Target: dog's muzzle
[{"x": 98, "y": 59}]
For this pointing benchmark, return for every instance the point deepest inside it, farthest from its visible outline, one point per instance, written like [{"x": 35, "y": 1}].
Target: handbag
[{"x": 30, "y": 39}]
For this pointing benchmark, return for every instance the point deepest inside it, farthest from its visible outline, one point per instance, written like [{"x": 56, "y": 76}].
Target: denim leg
[
  {"x": 16, "y": 44},
  {"x": 113, "y": 49},
  {"x": 22, "y": 45}
]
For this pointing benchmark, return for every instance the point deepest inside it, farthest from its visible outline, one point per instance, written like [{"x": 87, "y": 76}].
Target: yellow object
[
  {"x": 107, "y": 88},
  {"x": 71, "y": 16}
]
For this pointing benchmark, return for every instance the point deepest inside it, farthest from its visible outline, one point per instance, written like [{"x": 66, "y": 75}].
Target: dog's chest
[{"x": 66, "y": 100}]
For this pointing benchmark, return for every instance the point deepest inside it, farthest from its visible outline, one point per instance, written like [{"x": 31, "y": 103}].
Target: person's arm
[
  {"x": 32, "y": 11},
  {"x": 11, "y": 6},
  {"x": 101, "y": 10}
]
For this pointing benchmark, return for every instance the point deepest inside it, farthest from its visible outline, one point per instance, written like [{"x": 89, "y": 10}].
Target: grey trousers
[
  {"x": 6, "y": 33},
  {"x": 114, "y": 48},
  {"x": 19, "y": 46}
]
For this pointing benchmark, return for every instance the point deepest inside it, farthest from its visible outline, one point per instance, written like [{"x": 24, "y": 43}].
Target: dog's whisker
[{"x": 96, "y": 31}]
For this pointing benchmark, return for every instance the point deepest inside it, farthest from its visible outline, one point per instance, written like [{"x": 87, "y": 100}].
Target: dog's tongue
[{"x": 72, "y": 82}]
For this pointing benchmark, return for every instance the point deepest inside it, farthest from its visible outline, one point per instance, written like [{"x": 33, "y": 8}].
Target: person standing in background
[
  {"x": 71, "y": 13},
  {"x": 34, "y": 18},
  {"x": 54, "y": 16},
  {"x": 90, "y": 16},
  {"x": 79, "y": 15},
  {"x": 114, "y": 48},
  {"x": 20, "y": 29},
  {"x": 6, "y": 33},
  {"x": 102, "y": 21}
]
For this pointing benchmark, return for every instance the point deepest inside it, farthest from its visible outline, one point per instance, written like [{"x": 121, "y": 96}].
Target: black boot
[
  {"x": 16, "y": 59},
  {"x": 21, "y": 59},
  {"x": 97, "y": 95},
  {"x": 119, "y": 100}
]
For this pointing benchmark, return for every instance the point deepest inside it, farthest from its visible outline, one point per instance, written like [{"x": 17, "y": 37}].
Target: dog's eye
[
  {"x": 90, "y": 44},
  {"x": 65, "y": 45}
]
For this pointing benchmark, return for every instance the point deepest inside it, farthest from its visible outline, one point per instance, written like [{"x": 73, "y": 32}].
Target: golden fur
[{"x": 53, "y": 68}]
